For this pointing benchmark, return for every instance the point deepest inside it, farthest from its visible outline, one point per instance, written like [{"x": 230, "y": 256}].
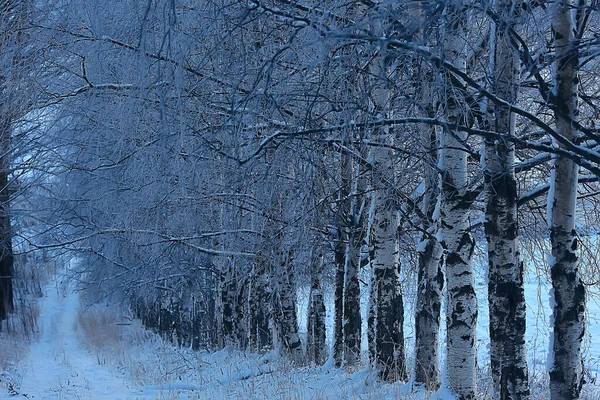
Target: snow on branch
[
  {"x": 165, "y": 238},
  {"x": 583, "y": 156}
]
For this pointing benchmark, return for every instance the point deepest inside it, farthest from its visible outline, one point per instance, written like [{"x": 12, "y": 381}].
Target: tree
[
  {"x": 208, "y": 151},
  {"x": 568, "y": 292},
  {"x": 15, "y": 102},
  {"x": 506, "y": 292},
  {"x": 430, "y": 277},
  {"x": 461, "y": 313},
  {"x": 386, "y": 285},
  {"x": 316, "y": 339}
]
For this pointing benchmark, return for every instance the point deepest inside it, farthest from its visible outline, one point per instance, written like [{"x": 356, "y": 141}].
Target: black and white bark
[
  {"x": 232, "y": 296},
  {"x": 316, "y": 347},
  {"x": 372, "y": 289},
  {"x": 389, "y": 318},
  {"x": 506, "y": 292},
  {"x": 430, "y": 277},
  {"x": 386, "y": 286},
  {"x": 568, "y": 292},
  {"x": 284, "y": 306},
  {"x": 227, "y": 290},
  {"x": 372, "y": 318},
  {"x": 461, "y": 312}
]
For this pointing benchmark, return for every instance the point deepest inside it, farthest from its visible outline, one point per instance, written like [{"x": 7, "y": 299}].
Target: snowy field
[{"x": 96, "y": 353}]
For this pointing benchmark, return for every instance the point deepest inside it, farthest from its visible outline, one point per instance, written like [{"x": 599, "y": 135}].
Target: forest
[{"x": 327, "y": 179}]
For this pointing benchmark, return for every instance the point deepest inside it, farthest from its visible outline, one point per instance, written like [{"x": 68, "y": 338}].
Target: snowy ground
[
  {"x": 98, "y": 353},
  {"x": 58, "y": 367}
]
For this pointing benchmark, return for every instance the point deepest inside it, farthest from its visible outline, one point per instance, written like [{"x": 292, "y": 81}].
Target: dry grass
[
  {"x": 21, "y": 326},
  {"x": 123, "y": 344},
  {"x": 14, "y": 349},
  {"x": 15, "y": 339},
  {"x": 99, "y": 329},
  {"x": 144, "y": 358}
]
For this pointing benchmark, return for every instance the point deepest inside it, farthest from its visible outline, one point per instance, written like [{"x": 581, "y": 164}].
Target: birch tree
[
  {"x": 316, "y": 340},
  {"x": 386, "y": 286},
  {"x": 568, "y": 292},
  {"x": 461, "y": 313},
  {"x": 352, "y": 291},
  {"x": 506, "y": 292},
  {"x": 430, "y": 278},
  {"x": 316, "y": 346}
]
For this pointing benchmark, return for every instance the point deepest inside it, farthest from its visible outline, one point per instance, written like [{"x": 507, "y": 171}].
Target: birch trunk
[
  {"x": 316, "y": 344},
  {"x": 261, "y": 338},
  {"x": 372, "y": 318},
  {"x": 373, "y": 293},
  {"x": 386, "y": 287},
  {"x": 506, "y": 292},
  {"x": 240, "y": 319},
  {"x": 340, "y": 257},
  {"x": 566, "y": 373},
  {"x": 233, "y": 330},
  {"x": 430, "y": 276},
  {"x": 461, "y": 313},
  {"x": 284, "y": 307},
  {"x": 389, "y": 320}
]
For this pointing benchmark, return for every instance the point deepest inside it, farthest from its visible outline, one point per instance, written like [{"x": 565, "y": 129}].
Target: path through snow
[{"x": 58, "y": 367}]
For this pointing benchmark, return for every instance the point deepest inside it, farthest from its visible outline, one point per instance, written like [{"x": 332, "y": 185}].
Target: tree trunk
[
  {"x": 506, "y": 292},
  {"x": 461, "y": 312},
  {"x": 341, "y": 243},
  {"x": 352, "y": 317},
  {"x": 430, "y": 277},
  {"x": 284, "y": 309},
  {"x": 232, "y": 299},
  {"x": 227, "y": 297},
  {"x": 373, "y": 293},
  {"x": 338, "y": 345},
  {"x": 240, "y": 319},
  {"x": 316, "y": 343},
  {"x": 372, "y": 318},
  {"x": 261, "y": 338},
  {"x": 389, "y": 321},
  {"x": 566, "y": 373},
  {"x": 6, "y": 252},
  {"x": 389, "y": 318}
]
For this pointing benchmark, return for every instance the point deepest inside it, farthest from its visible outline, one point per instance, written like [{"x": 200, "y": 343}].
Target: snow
[
  {"x": 61, "y": 365},
  {"x": 551, "y": 195},
  {"x": 550, "y": 359},
  {"x": 138, "y": 364},
  {"x": 299, "y": 23},
  {"x": 58, "y": 366},
  {"x": 422, "y": 245}
]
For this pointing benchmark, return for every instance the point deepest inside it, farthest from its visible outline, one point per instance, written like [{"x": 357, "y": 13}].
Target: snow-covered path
[{"x": 58, "y": 367}]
